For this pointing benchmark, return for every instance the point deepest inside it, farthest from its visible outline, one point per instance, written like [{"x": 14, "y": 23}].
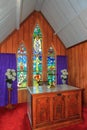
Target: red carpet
[
  {"x": 17, "y": 119},
  {"x": 14, "y": 119}
]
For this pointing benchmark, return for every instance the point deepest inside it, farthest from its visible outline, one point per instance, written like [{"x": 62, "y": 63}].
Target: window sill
[{"x": 22, "y": 89}]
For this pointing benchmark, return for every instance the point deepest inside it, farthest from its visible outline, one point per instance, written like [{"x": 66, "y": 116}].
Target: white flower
[
  {"x": 64, "y": 74},
  {"x": 13, "y": 78},
  {"x": 10, "y": 75}
]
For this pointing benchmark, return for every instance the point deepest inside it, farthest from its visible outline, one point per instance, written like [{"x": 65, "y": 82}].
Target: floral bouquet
[
  {"x": 64, "y": 75},
  {"x": 10, "y": 76}
]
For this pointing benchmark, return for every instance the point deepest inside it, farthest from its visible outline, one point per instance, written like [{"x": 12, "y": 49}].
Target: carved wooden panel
[
  {"x": 42, "y": 110},
  {"x": 73, "y": 104},
  {"x": 58, "y": 107}
]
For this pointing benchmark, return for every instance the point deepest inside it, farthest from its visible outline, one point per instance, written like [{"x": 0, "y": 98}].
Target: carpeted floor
[
  {"x": 14, "y": 119},
  {"x": 17, "y": 119}
]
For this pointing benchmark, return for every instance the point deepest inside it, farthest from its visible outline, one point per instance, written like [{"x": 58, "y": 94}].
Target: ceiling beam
[{"x": 19, "y": 4}]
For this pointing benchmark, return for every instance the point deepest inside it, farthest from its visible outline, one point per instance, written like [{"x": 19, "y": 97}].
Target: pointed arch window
[
  {"x": 22, "y": 66},
  {"x": 51, "y": 66},
  {"x": 37, "y": 55}
]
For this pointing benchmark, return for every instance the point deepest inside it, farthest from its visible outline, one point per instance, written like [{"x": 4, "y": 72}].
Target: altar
[{"x": 53, "y": 108}]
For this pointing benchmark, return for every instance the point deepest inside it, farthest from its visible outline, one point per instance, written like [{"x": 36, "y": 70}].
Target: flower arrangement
[
  {"x": 64, "y": 74},
  {"x": 10, "y": 75}
]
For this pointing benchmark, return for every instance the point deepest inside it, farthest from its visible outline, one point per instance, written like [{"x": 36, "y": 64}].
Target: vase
[
  {"x": 9, "y": 85},
  {"x": 63, "y": 81}
]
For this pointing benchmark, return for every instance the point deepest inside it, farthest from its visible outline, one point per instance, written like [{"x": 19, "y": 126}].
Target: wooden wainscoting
[{"x": 22, "y": 95}]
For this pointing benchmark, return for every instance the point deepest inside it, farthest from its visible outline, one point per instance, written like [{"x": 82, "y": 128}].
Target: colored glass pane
[
  {"x": 37, "y": 56},
  {"x": 21, "y": 63},
  {"x": 37, "y": 63},
  {"x": 22, "y": 49},
  {"x": 37, "y": 45},
  {"x": 51, "y": 66},
  {"x": 22, "y": 67},
  {"x": 22, "y": 79}
]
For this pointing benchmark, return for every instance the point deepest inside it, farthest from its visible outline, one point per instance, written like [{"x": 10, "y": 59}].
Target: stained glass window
[
  {"x": 22, "y": 67},
  {"x": 51, "y": 66},
  {"x": 37, "y": 56}
]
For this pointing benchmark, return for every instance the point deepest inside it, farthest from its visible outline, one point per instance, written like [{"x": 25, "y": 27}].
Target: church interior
[{"x": 43, "y": 46}]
